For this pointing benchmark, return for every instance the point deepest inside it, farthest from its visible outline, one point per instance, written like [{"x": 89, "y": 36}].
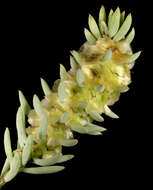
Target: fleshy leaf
[
  {"x": 78, "y": 128},
  {"x": 134, "y": 56},
  {"x": 65, "y": 158},
  {"x": 42, "y": 131},
  {"x": 95, "y": 115},
  {"x": 63, "y": 73},
  {"x": 80, "y": 77},
  {"x": 94, "y": 133},
  {"x": 47, "y": 161},
  {"x": 5, "y": 167},
  {"x": 24, "y": 103},
  {"x": 77, "y": 57},
  {"x": 93, "y": 27},
  {"x": 7, "y": 144},
  {"x": 105, "y": 28},
  {"x": 122, "y": 18},
  {"x": 61, "y": 91},
  {"x": 92, "y": 127},
  {"x": 37, "y": 106},
  {"x": 20, "y": 125},
  {"x": 99, "y": 88},
  {"x": 130, "y": 36},
  {"x": 64, "y": 117},
  {"x": 109, "y": 112},
  {"x": 69, "y": 142},
  {"x": 43, "y": 170},
  {"x": 26, "y": 154},
  {"x": 124, "y": 28},
  {"x": 83, "y": 105},
  {"x": 14, "y": 168},
  {"x": 90, "y": 38},
  {"x": 114, "y": 23},
  {"x": 46, "y": 89},
  {"x": 107, "y": 56},
  {"x": 73, "y": 64},
  {"x": 102, "y": 17}
]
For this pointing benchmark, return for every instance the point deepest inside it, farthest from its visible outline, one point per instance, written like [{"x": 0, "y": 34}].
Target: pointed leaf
[
  {"x": 109, "y": 112},
  {"x": 92, "y": 128},
  {"x": 43, "y": 170},
  {"x": 93, "y": 27},
  {"x": 122, "y": 18},
  {"x": 107, "y": 56},
  {"x": 20, "y": 124},
  {"x": 61, "y": 91},
  {"x": 110, "y": 15},
  {"x": 80, "y": 77},
  {"x": 130, "y": 36},
  {"x": 65, "y": 158},
  {"x": 7, "y": 144},
  {"x": 69, "y": 142},
  {"x": 124, "y": 28},
  {"x": 134, "y": 56},
  {"x": 26, "y": 154},
  {"x": 105, "y": 28},
  {"x": 89, "y": 37},
  {"x": 63, "y": 73},
  {"x": 73, "y": 64},
  {"x": 47, "y": 91},
  {"x": 24, "y": 104},
  {"x": 42, "y": 131},
  {"x": 94, "y": 133},
  {"x": 5, "y": 167},
  {"x": 99, "y": 88},
  {"x": 124, "y": 89},
  {"x": 14, "y": 168},
  {"x": 114, "y": 23},
  {"x": 102, "y": 17},
  {"x": 77, "y": 57},
  {"x": 48, "y": 161},
  {"x": 64, "y": 117},
  {"x": 78, "y": 128},
  {"x": 95, "y": 115},
  {"x": 37, "y": 106}
]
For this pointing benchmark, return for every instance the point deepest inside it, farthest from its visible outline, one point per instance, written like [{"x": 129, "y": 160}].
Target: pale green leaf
[
  {"x": 77, "y": 57},
  {"x": 110, "y": 15},
  {"x": 99, "y": 88},
  {"x": 20, "y": 125},
  {"x": 80, "y": 77},
  {"x": 73, "y": 64},
  {"x": 14, "y": 168},
  {"x": 124, "y": 89},
  {"x": 93, "y": 27},
  {"x": 102, "y": 17},
  {"x": 24, "y": 103},
  {"x": 134, "y": 56},
  {"x": 105, "y": 28},
  {"x": 64, "y": 117},
  {"x": 69, "y": 142},
  {"x": 95, "y": 115},
  {"x": 61, "y": 91},
  {"x": 122, "y": 18},
  {"x": 37, "y": 106},
  {"x": 83, "y": 105},
  {"x": 108, "y": 112},
  {"x": 107, "y": 56},
  {"x": 7, "y": 144},
  {"x": 5, "y": 167},
  {"x": 93, "y": 128},
  {"x": 43, "y": 170},
  {"x": 78, "y": 128},
  {"x": 47, "y": 161},
  {"x": 130, "y": 36},
  {"x": 94, "y": 133},
  {"x": 124, "y": 28},
  {"x": 26, "y": 154},
  {"x": 63, "y": 73},
  {"x": 89, "y": 37},
  {"x": 114, "y": 23},
  {"x": 65, "y": 158},
  {"x": 42, "y": 130},
  {"x": 46, "y": 89}
]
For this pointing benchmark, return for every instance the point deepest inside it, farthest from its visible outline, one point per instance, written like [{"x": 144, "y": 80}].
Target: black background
[{"x": 35, "y": 39}]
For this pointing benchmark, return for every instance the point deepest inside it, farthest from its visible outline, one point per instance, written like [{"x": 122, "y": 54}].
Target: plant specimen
[{"x": 100, "y": 72}]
